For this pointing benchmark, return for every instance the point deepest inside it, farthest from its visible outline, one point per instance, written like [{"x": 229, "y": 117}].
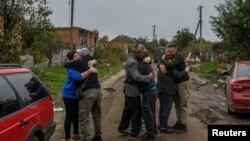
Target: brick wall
[{"x": 80, "y": 36}]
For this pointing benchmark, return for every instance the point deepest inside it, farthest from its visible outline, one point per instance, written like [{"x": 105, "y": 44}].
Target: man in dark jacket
[
  {"x": 91, "y": 101},
  {"x": 70, "y": 99},
  {"x": 149, "y": 97},
  {"x": 182, "y": 97}
]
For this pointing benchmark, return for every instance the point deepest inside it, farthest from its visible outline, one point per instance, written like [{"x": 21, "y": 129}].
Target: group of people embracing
[
  {"x": 142, "y": 91},
  {"x": 81, "y": 96}
]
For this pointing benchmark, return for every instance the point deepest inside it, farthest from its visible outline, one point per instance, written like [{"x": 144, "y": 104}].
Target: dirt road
[{"x": 207, "y": 106}]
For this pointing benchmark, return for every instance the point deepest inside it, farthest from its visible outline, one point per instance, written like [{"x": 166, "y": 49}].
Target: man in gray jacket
[{"x": 132, "y": 107}]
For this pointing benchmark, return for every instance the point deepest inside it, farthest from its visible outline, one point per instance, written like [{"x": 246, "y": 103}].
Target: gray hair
[
  {"x": 83, "y": 51},
  {"x": 137, "y": 47}
]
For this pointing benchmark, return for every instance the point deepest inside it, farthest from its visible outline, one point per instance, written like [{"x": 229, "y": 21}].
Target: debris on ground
[{"x": 60, "y": 109}]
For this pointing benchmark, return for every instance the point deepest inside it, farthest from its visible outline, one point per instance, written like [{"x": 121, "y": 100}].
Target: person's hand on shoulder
[{"x": 91, "y": 63}]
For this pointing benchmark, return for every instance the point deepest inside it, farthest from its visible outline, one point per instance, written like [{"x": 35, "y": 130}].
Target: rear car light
[{"x": 237, "y": 87}]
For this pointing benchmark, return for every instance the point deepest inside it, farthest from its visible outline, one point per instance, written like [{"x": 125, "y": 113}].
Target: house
[
  {"x": 81, "y": 37},
  {"x": 122, "y": 41}
]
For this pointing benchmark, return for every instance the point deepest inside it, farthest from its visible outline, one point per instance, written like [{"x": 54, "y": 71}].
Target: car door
[
  {"x": 38, "y": 109},
  {"x": 14, "y": 125}
]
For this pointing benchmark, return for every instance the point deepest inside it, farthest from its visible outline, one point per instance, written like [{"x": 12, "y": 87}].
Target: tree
[
  {"x": 105, "y": 38},
  {"x": 163, "y": 42},
  {"x": 45, "y": 45},
  {"x": 149, "y": 45},
  {"x": 183, "y": 37},
  {"x": 14, "y": 14},
  {"x": 233, "y": 27},
  {"x": 36, "y": 24}
]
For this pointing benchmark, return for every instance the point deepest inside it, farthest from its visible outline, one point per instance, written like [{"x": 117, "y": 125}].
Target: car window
[
  {"x": 8, "y": 99},
  {"x": 243, "y": 70},
  {"x": 28, "y": 87}
]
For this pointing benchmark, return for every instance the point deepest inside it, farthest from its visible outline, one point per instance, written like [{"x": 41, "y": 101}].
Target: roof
[
  {"x": 68, "y": 28},
  {"x": 124, "y": 38}
]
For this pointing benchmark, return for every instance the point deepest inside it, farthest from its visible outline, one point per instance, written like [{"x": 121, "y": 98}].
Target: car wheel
[
  {"x": 35, "y": 138},
  {"x": 230, "y": 112}
]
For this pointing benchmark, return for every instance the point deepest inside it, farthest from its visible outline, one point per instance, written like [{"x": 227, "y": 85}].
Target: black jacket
[
  {"x": 145, "y": 69},
  {"x": 82, "y": 66},
  {"x": 166, "y": 82},
  {"x": 177, "y": 63}
]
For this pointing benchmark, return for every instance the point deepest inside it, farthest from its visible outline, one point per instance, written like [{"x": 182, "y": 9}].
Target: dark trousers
[
  {"x": 148, "y": 111},
  {"x": 131, "y": 113},
  {"x": 71, "y": 108},
  {"x": 166, "y": 102}
]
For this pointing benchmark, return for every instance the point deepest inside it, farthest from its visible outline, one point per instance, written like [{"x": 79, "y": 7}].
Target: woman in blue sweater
[{"x": 70, "y": 99}]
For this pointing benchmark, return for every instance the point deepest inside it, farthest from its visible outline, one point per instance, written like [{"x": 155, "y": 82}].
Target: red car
[
  {"x": 26, "y": 108},
  {"x": 237, "y": 88}
]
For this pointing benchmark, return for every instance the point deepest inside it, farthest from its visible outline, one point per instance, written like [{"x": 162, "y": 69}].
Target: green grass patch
[
  {"x": 53, "y": 78},
  {"x": 206, "y": 68},
  {"x": 209, "y": 71}
]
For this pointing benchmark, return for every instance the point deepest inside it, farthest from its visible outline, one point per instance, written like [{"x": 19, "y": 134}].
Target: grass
[
  {"x": 53, "y": 78},
  {"x": 209, "y": 70}
]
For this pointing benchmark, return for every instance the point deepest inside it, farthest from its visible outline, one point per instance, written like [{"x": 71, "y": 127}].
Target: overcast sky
[{"x": 136, "y": 17}]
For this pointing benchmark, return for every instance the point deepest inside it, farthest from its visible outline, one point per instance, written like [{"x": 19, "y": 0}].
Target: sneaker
[
  {"x": 97, "y": 138},
  {"x": 180, "y": 128},
  {"x": 167, "y": 130},
  {"x": 147, "y": 137},
  {"x": 123, "y": 132},
  {"x": 76, "y": 137}
]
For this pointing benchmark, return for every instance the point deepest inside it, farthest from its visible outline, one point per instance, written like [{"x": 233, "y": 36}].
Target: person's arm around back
[
  {"x": 178, "y": 59},
  {"x": 132, "y": 69},
  {"x": 75, "y": 75}
]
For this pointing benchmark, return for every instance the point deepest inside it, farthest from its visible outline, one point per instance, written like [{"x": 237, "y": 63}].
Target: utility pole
[
  {"x": 154, "y": 26},
  {"x": 199, "y": 25},
  {"x": 200, "y": 21},
  {"x": 154, "y": 36},
  {"x": 71, "y": 24}
]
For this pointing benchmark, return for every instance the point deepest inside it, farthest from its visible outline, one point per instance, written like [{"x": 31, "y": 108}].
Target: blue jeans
[{"x": 166, "y": 102}]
